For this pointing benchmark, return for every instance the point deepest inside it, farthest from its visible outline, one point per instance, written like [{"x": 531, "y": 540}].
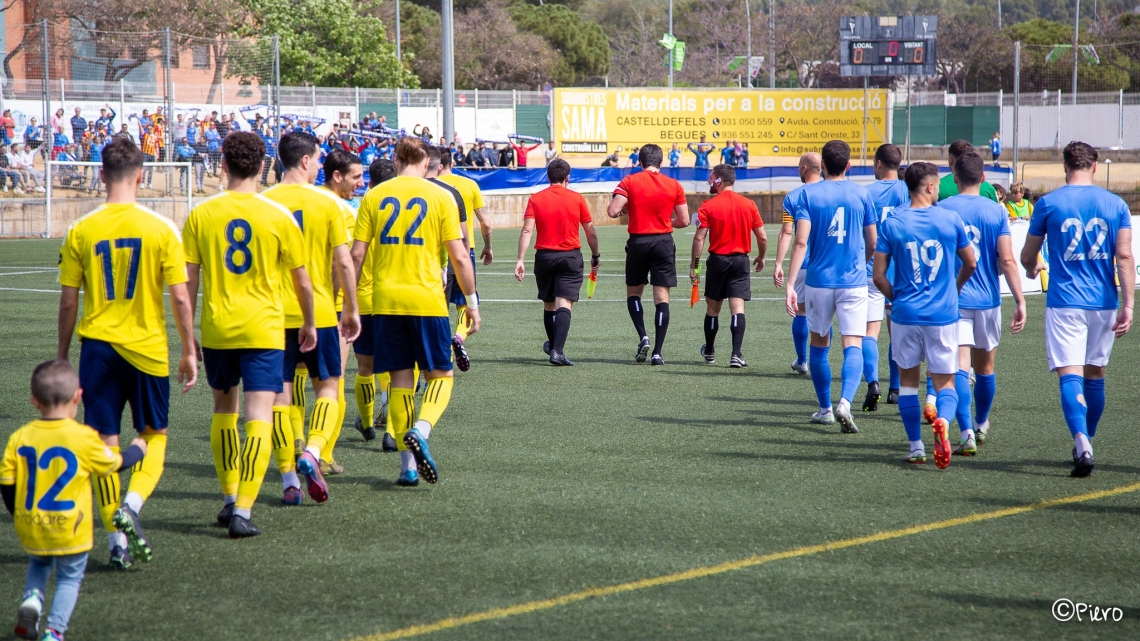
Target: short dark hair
[
  {"x": 969, "y": 169},
  {"x": 557, "y": 171},
  {"x": 54, "y": 382},
  {"x": 294, "y": 146},
  {"x": 1079, "y": 155},
  {"x": 380, "y": 170},
  {"x": 889, "y": 156},
  {"x": 726, "y": 174},
  {"x": 122, "y": 160},
  {"x": 836, "y": 154},
  {"x": 445, "y": 157},
  {"x": 917, "y": 173},
  {"x": 434, "y": 157},
  {"x": 243, "y": 152},
  {"x": 650, "y": 156},
  {"x": 340, "y": 160},
  {"x": 959, "y": 147}
]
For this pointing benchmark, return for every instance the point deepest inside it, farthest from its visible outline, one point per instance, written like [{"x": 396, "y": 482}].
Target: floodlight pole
[
  {"x": 398, "y": 58},
  {"x": 771, "y": 44},
  {"x": 670, "y": 54},
  {"x": 1016, "y": 100},
  {"x": 748, "y": 19},
  {"x": 1076, "y": 40},
  {"x": 448, "y": 70}
]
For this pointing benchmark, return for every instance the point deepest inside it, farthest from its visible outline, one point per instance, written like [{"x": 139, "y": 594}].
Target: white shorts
[
  {"x": 849, "y": 305},
  {"x": 799, "y": 285},
  {"x": 935, "y": 344},
  {"x": 979, "y": 328},
  {"x": 1078, "y": 336},
  {"x": 876, "y": 303}
]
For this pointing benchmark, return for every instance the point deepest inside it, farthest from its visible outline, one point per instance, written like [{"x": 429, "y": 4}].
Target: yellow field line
[{"x": 710, "y": 570}]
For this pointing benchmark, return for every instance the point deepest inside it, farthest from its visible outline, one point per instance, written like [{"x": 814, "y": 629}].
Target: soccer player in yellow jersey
[
  {"x": 406, "y": 222},
  {"x": 473, "y": 200},
  {"x": 123, "y": 255},
  {"x": 320, "y": 215},
  {"x": 45, "y": 480},
  {"x": 241, "y": 246}
]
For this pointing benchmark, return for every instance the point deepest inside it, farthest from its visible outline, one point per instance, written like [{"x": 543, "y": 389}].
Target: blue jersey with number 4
[
  {"x": 985, "y": 222},
  {"x": 1080, "y": 224},
  {"x": 837, "y": 210},
  {"x": 923, "y": 244},
  {"x": 887, "y": 196}
]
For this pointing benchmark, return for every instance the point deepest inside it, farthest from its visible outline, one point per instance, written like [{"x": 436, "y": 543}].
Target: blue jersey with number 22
[
  {"x": 837, "y": 210},
  {"x": 922, "y": 243}
]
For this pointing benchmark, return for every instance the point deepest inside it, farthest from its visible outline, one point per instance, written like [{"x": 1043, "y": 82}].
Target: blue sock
[
  {"x": 820, "y": 369},
  {"x": 911, "y": 416},
  {"x": 985, "y": 387},
  {"x": 800, "y": 337},
  {"x": 852, "y": 371},
  {"x": 895, "y": 381},
  {"x": 1094, "y": 399},
  {"x": 962, "y": 387},
  {"x": 930, "y": 386},
  {"x": 871, "y": 359},
  {"x": 1076, "y": 414},
  {"x": 947, "y": 403}
]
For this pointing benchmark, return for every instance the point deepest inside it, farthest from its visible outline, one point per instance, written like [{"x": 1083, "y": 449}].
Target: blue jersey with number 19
[
  {"x": 985, "y": 222},
  {"x": 887, "y": 196},
  {"x": 838, "y": 210},
  {"x": 923, "y": 243},
  {"x": 1080, "y": 223}
]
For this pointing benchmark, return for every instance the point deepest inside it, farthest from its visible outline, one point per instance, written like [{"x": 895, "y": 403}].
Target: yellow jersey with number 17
[
  {"x": 407, "y": 220},
  {"x": 123, "y": 256},
  {"x": 472, "y": 199},
  {"x": 320, "y": 216},
  {"x": 247, "y": 245}
]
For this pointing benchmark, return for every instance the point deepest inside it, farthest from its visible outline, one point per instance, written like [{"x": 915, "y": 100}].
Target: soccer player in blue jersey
[
  {"x": 922, "y": 238},
  {"x": 811, "y": 165},
  {"x": 887, "y": 192},
  {"x": 1085, "y": 227},
  {"x": 979, "y": 302},
  {"x": 836, "y": 218}
]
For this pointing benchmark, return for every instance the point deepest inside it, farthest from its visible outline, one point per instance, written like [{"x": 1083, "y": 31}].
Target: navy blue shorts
[
  {"x": 322, "y": 362},
  {"x": 452, "y": 289},
  {"x": 363, "y": 345},
  {"x": 110, "y": 383},
  {"x": 402, "y": 342},
  {"x": 258, "y": 370}
]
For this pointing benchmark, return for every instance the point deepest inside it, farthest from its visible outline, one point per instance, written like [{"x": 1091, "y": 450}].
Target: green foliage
[
  {"x": 584, "y": 48},
  {"x": 1039, "y": 37}
]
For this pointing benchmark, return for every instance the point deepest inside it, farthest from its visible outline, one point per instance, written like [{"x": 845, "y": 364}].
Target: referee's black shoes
[{"x": 558, "y": 358}]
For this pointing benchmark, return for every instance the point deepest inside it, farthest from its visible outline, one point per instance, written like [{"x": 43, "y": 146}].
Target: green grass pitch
[{"x": 556, "y": 480}]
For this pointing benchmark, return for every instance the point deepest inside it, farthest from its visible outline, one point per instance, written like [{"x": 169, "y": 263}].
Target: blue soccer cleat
[
  {"x": 293, "y": 496},
  {"x": 311, "y": 469},
  {"x": 418, "y": 446},
  {"x": 408, "y": 478}
]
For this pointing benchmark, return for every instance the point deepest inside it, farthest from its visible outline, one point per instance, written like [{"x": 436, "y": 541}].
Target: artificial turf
[{"x": 558, "y": 479}]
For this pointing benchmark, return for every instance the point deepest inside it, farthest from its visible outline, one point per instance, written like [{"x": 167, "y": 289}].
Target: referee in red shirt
[
  {"x": 655, "y": 205},
  {"x": 556, "y": 212},
  {"x": 729, "y": 221}
]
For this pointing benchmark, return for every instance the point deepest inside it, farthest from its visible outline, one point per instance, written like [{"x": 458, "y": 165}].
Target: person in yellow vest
[{"x": 1018, "y": 203}]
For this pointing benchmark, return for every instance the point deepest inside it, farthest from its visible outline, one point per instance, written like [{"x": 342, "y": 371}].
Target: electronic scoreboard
[{"x": 887, "y": 45}]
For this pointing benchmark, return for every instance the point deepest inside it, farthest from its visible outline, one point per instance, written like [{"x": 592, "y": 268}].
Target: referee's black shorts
[
  {"x": 728, "y": 277},
  {"x": 559, "y": 274},
  {"x": 650, "y": 259}
]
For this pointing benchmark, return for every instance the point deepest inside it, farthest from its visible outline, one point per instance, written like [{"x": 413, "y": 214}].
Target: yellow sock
[
  {"x": 254, "y": 461},
  {"x": 225, "y": 444},
  {"x": 461, "y": 327},
  {"x": 435, "y": 400},
  {"x": 107, "y": 496},
  {"x": 321, "y": 422},
  {"x": 341, "y": 406},
  {"x": 283, "y": 439},
  {"x": 365, "y": 388},
  {"x": 145, "y": 473},
  {"x": 297, "y": 408},
  {"x": 401, "y": 413}
]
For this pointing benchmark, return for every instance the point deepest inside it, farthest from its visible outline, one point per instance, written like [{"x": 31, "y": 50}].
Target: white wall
[{"x": 1098, "y": 125}]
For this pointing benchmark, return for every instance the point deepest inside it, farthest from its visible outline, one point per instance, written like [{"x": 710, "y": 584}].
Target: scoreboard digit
[{"x": 887, "y": 45}]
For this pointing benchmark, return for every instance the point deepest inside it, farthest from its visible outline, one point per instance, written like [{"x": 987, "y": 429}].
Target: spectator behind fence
[
  {"x": 475, "y": 156},
  {"x": 214, "y": 146},
  {"x": 58, "y": 142},
  {"x": 32, "y": 134},
  {"x": 507, "y": 156},
  {"x": 95, "y": 154},
  {"x": 521, "y": 151},
  {"x": 106, "y": 120},
  {"x": 8, "y": 127},
  {"x": 124, "y": 132},
  {"x": 490, "y": 155},
  {"x": 1017, "y": 203},
  {"x": 78, "y": 126},
  {"x": 69, "y": 174},
  {"x": 549, "y": 154},
  {"x": 180, "y": 128},
  {"x": 25, "y": 163},
  {"x": 675, "y": 156},
  {"x": 7, "y": 171},
  {"x": 183, "y": 152},
  {"x": 57, "y": 120}
]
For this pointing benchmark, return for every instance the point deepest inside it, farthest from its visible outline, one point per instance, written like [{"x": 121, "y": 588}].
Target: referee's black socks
[
  {"x": 737, "y": 334},
  {"x": 661, "y": 323},
  {"x": 636, "y": 314},
  {"x": 712, "y": 324},
  {"x": 548, "y": 323},
  {"x": 561, "y": 330}
]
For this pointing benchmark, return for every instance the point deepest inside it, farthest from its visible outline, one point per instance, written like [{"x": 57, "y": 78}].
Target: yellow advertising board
[{"x": 774, "y": 122}]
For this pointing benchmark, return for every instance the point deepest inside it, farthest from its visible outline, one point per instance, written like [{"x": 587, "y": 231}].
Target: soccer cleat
[
  {"x": 982, "y": 430},
  {"x": 929, "y": 414},
  {"x": 941, "y": 443},
  {"x": 846, "y": 421},
  {"x": 293, "y": 496},
  {"x": 315, "y": 481},
  {"x": 642, "y": 350},
  {"x": 241, "y": 527},
  {"x": 418, "y": 446},
  {"x": 298, "y": 449},
  {"x": 558, "y": 358},
  {"x": 871, "y": 403},
  {"x": 120, "y": 558},
  {"x": 224, "y": 515},
  {"x": 656, "y": 360},
  {"x": 51, "y": 635},
  {"x": 799, "y": 367},
  {"x": 1082, "y": 466},
  {"x": 388, "y": 444},
  {"x": 369, "y": 433},
  {"x": 737, "y": 362},
  {"x": 916, "y": 457},
  {"x": 127, "y": 522},
  {"x": 330, "y": 468},
  {"x": 710, "y": 357},
  {"x": 408, "y": 478},
  {"x": 28, "y": 616},
  {"x": 892, "y": 396},
  {"x": 546, "y": 347},
  {"x": 823, "y": 417},
  {"x": 381, "y": 415},
  {"x": 462, "y": 360},
  {"x": 968, "y": 447}
]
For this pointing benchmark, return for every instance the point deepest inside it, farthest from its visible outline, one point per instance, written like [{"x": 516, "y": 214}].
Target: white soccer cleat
[
  {"x": 823, "y": 417},
  {"x": 799, "y": 368},
  {"x": 981, "y": 431},
  {"x": 846, "y": 421}
]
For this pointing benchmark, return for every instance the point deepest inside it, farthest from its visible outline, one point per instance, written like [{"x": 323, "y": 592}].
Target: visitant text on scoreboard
[{"x": 772, "y": 122}]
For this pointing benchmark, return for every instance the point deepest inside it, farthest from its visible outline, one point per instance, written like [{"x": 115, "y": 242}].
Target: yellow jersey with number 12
[
  {"x": 472, "y": 199},
  {"x": 247, "y": 245},
  {"x": 407, "y": 220}
]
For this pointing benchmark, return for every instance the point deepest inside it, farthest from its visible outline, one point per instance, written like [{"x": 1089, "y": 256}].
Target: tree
[
  {"x": 807, "y": 38},
  {"x": 585, "y": 52},
  {"x": 972, "y": 53},
  {"x": 633, "y": 28},
  {"x": 715, "y": 31},
  {"x": 1039, "y": 73}
]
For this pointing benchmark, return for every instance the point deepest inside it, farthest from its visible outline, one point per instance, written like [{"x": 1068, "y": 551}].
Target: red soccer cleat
[
  {"x": 941, "y": 443},
  {"x": 929, "y": 414}
]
